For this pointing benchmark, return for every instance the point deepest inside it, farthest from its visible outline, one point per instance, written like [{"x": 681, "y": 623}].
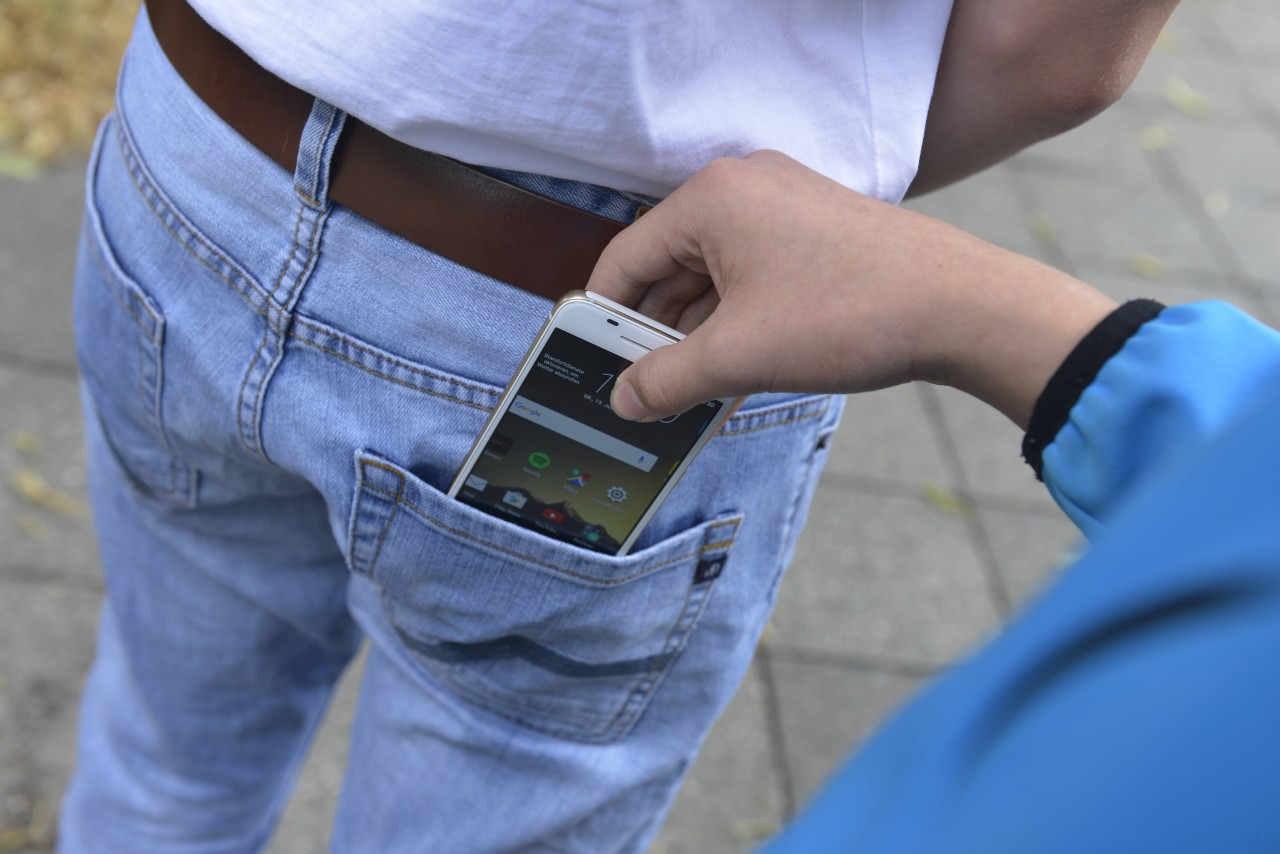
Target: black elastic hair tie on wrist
[{"x": 1077, "y": 372}]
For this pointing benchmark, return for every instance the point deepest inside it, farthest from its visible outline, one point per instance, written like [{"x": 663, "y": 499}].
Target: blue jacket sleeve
[
  {"x": 1173, "y": 386},
  {"x": 1132, "y": 707}
]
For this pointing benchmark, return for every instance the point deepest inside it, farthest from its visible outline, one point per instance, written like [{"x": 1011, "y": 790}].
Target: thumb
[{"x": 665, "y": 381}]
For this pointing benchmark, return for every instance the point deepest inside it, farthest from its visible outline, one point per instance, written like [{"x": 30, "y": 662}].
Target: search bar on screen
[{"x": 579, "y": 432}]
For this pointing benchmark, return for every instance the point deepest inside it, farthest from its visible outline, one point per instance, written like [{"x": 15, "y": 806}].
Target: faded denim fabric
[{"x": 277, "y": 391}]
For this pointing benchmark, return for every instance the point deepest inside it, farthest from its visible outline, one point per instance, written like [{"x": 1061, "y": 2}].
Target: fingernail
[{"x": 627, "y": 404}]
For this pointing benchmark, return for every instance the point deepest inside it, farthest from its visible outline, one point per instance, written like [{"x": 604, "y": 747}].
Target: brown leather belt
[{"x": 467, "y": 216}]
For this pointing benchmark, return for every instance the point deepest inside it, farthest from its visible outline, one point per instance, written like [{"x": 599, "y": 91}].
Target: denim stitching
[
  {"x": 150, "y": 399},
  {"x": 627, "y": 711},
  {"x": 388, "y": 377},
  {"x": 649, "y": 569},
  {"x": 823, "y": 407},
  {"x": 813, "y": 400},
  {"x": 522, "y": 715},
  {"x": 270, "y": 365},
  {"x": 279, "y": 321},
  {"x": 787, "y": 532},
  {"x": 109, "y": 277},
  {"x": 803, "y": 417},
  {"x": 244, "y": 383},
  {"x": 293, "y": 251},
  {"x": 395, "y": 506},
  {"x": 364, "y": 348},
  {"x": 645, "y": 685},
  {"x": 164, "y": 210},
  {"x": 313, "y": 239},
  {"x": 524, "y": 648},
  {"x": 684, "y": 626},
  {"x": 631, "y": 705},
  {"x": 316, "y": 160},
  {"x": 425, "y": 390},
  {"x": 110, "y": 282}
]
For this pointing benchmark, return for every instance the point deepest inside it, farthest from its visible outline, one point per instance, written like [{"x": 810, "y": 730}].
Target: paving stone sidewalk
[{"x": 927, "y": 529}]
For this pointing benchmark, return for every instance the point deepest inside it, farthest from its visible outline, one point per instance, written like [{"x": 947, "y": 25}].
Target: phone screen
[{"x": 559, "y": 461}]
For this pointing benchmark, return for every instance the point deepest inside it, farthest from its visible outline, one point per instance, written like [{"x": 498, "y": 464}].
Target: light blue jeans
[{"x": 276, "y": 392}]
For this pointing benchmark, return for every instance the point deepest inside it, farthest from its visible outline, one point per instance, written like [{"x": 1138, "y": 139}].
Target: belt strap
[{"x": 493, "y": 227}]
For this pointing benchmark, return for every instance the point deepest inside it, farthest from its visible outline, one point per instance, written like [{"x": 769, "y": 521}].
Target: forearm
[
  {"x": 829, "y": 290},
  {"x": 1001, "y": 324},
  {"x": 1014, "y": 72}
]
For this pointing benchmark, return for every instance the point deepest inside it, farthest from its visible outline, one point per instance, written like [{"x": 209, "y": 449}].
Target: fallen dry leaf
[
  {"x": 36, "y": 491},
  {"x": 752, "y": 829},
  {"x": 58, "y": 64},
  {"x": 1154, "y": 138},
  {"x": 946, "y": 501},
  {"x": 18, "y": 165},
  {"x": 1186, "y": 97},
  {"x": 1167, "y": 42},
  {"x": 1148, "y": 265},
  {"x": 1042, "y": 229},
  {"x": 32, "y": 527},
  {"x": 36, "y": 835},
  {"x": 25, "y": 442},
  {"x": 1217, "y": 204}
]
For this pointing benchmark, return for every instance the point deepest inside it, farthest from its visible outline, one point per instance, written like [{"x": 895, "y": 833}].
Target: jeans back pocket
[
  {"x": 119, "y": 332},
  {"x": 560, "y": 639}
]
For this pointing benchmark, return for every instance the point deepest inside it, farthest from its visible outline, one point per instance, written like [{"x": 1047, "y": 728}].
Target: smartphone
[{"x": 554, "y": 457}]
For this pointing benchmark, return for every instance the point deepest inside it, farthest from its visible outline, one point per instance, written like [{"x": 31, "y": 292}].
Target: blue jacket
[{"x": 1135, "y": 707}]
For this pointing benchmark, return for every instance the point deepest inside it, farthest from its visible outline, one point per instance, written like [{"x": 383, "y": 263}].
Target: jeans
[{"x": 276, "y": 393}]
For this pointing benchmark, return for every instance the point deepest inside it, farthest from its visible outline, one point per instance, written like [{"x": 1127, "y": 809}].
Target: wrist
[{"x": 1010, "y": 323}]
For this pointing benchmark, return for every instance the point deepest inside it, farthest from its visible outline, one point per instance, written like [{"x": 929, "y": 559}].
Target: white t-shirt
[{"x": 632, "y": 94}]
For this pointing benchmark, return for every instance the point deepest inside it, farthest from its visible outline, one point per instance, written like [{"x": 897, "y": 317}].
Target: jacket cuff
[{"x": 1077, "y": 372}]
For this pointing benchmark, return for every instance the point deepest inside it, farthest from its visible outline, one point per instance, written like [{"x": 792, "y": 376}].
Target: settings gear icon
[{"x": 616, "y": 493}]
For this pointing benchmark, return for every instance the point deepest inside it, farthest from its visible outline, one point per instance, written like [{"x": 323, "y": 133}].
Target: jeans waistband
[{"x": 458, "y": 212}]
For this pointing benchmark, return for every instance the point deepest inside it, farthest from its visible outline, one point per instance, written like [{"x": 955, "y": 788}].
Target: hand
[{"x": 786, "y": 281}]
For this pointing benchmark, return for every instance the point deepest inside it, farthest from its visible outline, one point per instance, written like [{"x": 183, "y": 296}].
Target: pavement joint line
[
  {"x": 914, "y": 491},
  {"x": 861, "y": 662},
  {"x": 1191, "y": 275},
  {"x": 778, "y": 757},
  {"x": 1050, "y": 248},
  {"x": 39, "y": 576},
  {"x": 1219, "y": 42},
  {"x": 1093, "y": 266},
  {"x": 979, "y": 539},
  {"x": 1210, "y": 234},
  {"x": 38, "y": 366},
  {"x": 998, "y": 503},
  {"x": 1055, "y": 166},
  {"x": 1265, "y": 109},
  {"x": 1223, "y": 39}
]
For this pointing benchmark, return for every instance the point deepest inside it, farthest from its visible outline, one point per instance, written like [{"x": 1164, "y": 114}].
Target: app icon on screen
[
  {"x": 515, "y": 499},
  {"x": 498, "y": 445},
  {"x": 579, "y": 478},
  {"x": 617, "y": 494},
  {"x": 553, "y": 515},
  {"x": 539, "y": 460},
  {"x": 476, "y": 482}
]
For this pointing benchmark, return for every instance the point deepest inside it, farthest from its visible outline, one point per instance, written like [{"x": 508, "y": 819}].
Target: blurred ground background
[{"x": 927, "y": 529}]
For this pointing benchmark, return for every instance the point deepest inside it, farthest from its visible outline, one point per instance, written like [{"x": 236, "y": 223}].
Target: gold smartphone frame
[{"x": 649, "y": 331}]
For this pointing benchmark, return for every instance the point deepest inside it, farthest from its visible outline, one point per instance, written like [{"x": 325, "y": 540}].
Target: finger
[
  {"x": 698, "y": 311},
  {"x": 667, "y": 300},
  {"x": 672, "y": 379},
  {"x": 647, "y": 251}
]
